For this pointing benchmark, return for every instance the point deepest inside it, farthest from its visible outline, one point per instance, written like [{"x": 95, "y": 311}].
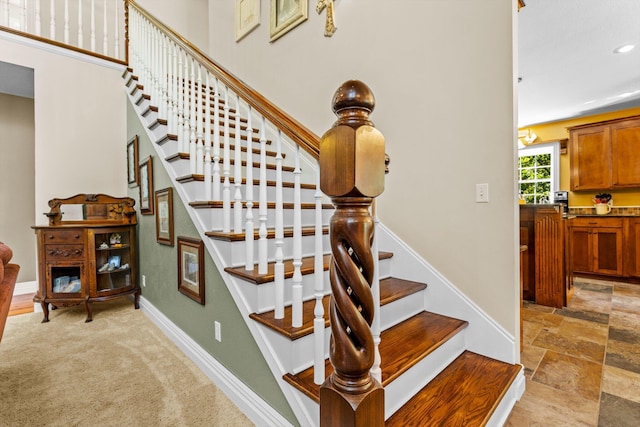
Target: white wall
[
  {"x": 442, "y": 74},
  {"x": 188, "y": 18},
  {"x": 17, "y": 182},
  {"x": 80, "y": 125}
]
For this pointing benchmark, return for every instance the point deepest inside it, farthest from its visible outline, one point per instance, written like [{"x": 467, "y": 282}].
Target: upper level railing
[{"x": 93, "y": 27}]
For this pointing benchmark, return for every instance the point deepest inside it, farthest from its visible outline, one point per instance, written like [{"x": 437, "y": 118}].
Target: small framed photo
[
  {"x": 164, "y": 216},
  {"x": 145, "y": 173},
  {"x": 191, "y": 268},
  {"x": 132, "y": 161},
  {"x": 285, "y": 15},
  {"x": 114, "y": 262},
  {"x": 247, "y": 17}
]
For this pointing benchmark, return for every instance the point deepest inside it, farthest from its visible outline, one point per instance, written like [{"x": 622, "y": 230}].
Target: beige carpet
[{"x": 119, "y": 370}]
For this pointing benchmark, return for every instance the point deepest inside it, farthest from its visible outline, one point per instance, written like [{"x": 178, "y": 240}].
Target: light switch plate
[{"x": 482, "y": 193}]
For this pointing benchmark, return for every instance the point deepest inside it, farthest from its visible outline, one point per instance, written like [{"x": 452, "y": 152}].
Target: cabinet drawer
[
  {"x": 62, "y": 252},
  {"x": 596, "y": 222},
  {"x": 62, "y": 236}
]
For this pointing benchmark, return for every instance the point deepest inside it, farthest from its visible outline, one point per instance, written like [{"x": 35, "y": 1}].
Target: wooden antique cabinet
[
  {"x": 596, "y": 245},
  {"x": 87, "y": 253},
  {"x": 605, "y": 155}
]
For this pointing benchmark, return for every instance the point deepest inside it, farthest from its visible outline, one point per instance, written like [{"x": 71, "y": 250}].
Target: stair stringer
[
  {"x": 484, "y": 335},
  {"x": 232, "y": 283}
]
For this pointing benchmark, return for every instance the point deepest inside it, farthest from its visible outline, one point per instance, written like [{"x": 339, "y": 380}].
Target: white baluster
[
  {"x": 80, "y": 21},
  {"x": 318, "y": 272},
  {"x": 37, "y": 18},
  {"x": 192, "y": 118},
  {"x": 116, "y": 32},
  {"x": 66, "y": 21},
  {"x": 296, "y": 288},
  {"x": 52, "y": 22},
  {"x": 376, "y": 371},
  {"x": 248, "y": 228},
  {"x": 279, "y": 257},
  {"x": 180, "y": 96},
  {"x": 162, "y": 77},
  {"x": 173, "y": 92},
  {"x": 23, "y": 17},
  {"x": 207, "y": 141},
  {"x": 199, "y": 123},
  {"x": 187, "y": 104},
  {"x": 226, "y": 171},
  {"x": 262, "y": 208},
  {"x": 105, "y": 37},
  {"x": 93, "y": 26},
  {"x": 5, "y": 8},
  {"x": 216, "y": 139},
  {"x": 237, "y": 165}
]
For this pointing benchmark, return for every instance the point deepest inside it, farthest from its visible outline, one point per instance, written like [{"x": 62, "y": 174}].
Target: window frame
[{"x": 551, "y": 148}]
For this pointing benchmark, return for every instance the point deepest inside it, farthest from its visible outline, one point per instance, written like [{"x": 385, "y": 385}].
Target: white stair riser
[
  {"x": 261, "y": 298},
  {"x": 236, "y": 251},
  {"x": 212, "y": 218},
  {"x": 300, "y": 353},
  {"x": 195, "y": 192},
  {"x": 295, "y": 357}
]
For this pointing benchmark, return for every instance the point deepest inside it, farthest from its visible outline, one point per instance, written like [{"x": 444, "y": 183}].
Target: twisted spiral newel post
[{"x": 352, "y": 168}]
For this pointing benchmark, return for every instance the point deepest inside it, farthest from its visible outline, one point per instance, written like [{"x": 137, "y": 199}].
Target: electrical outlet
[
  {"x": 482, "y": 193},
  {"x": 144, "y": 281},
  {"x": 216, "y": 324}
]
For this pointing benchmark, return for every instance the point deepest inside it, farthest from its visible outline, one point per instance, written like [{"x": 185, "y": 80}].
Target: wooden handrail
[
  {"x": 62, "y": 45},
  {"x": 298, "y": 133}
]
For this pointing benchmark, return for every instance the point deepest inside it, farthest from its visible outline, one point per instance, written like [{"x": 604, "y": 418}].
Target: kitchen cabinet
[
  {"x": 87, "y": 259},
  {"x": 542, "y": 230},
  {"x": 632, "y": 243},
  {"x": 605, "y": 155},
  {"x": 596, "y": 245}
]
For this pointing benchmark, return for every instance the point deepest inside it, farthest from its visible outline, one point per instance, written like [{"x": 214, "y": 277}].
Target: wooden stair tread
[
  {"x": 186, "y": 156},
  {"x": 307, "y": 267},
  {"x": 217, "y": 204},
  {"x": 465, "y": 393},
  {"x": 391, "y": 289},
  {"x": 401, "y": 347},
  {"x": 271, "y": 234},
  {"x": 256, "y": 183}
]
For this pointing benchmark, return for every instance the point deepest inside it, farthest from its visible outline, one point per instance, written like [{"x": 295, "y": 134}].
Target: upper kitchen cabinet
[{"x": 605, "y": 155}]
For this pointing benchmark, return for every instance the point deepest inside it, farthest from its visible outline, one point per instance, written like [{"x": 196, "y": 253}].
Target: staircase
[{"x": 432, "y": 370}]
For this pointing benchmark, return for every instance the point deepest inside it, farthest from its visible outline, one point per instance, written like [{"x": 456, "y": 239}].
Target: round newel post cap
[{"x": 352, "y": 102}]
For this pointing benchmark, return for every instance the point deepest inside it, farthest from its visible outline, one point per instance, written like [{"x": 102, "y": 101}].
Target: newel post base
[{"x": 338, "y": 408}]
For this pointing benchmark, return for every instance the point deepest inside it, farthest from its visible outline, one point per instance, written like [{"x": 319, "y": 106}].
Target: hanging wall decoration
[
  {"x": 330, "y": 21},
  {"x": 285, "y": 15},
  {"x": 247, "y": 17}
]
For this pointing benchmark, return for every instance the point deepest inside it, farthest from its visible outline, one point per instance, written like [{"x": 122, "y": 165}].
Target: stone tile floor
[{"x": 582, "y": 362}]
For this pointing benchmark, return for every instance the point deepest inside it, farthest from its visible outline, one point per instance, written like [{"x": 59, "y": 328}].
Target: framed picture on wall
[
  {"x": 285, "y": 15},
  {"x": 191, "y": 268},
  {"x": 132, "y": 161},
  {"x": 164, "y": 216},
  {"x": 145, "y": 173},
  {"x": 247, "y": 17}
]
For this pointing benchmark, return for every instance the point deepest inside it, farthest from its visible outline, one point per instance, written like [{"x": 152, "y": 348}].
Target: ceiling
[{"x": 566, "y": 60}]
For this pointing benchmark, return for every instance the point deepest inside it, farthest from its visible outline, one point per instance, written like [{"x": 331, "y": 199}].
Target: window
[{"x": 538, "y": 172}]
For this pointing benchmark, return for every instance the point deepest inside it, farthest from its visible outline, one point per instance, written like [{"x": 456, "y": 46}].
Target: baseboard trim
[
  {"x": 25, "y": 288},
  {"x": 253, "y": 406}
]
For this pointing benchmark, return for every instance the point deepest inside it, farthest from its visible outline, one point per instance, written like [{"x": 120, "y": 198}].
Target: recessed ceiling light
[{"x": 624, "y": 48}]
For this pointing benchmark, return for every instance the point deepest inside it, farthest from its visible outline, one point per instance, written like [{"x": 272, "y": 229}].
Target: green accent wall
[{"x": 238, "y": 351}]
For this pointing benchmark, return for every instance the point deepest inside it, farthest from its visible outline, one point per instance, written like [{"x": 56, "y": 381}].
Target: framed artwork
[
  {"x": 164, "y": 216},
  {"x": 285, "y": 15},
  {"x": 145, "y": 173},
  {"x": 191, "y": 268},
  {"x": 247, "y": 17},
  {"x": 132, "y": 161}
]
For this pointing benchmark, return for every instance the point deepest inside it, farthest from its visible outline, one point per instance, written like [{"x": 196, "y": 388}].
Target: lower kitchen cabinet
[
  {"x": 595, "y": 245},
  {"x": 632, "y": 259}
]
